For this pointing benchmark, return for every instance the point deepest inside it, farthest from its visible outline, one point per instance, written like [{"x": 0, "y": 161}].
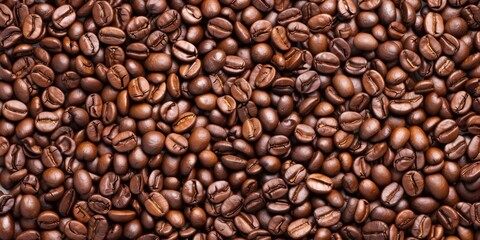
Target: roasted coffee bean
[
  {"x": 156, "y": 204},
  {"x": 89, "y": 44},
  {"x": 109, "y": 184},
  {"x": 14, "y": 110},
  {"x": 299, "y": 228},
  {"x": 219, "y": 27},
  {"x": 10, "y": 36},
  {"x": 218, "y": 191},
  {"x": 99, "y": 204},
  {"x": 63, "y": 17},
  {"x": 124, "y": 141},
  {"x": 392, "y": 194},
  {"x": 319, "y": 183},
  {"x": 429, "y": 47},
  {"x": 326, "y": 216},
  {"x": 138, "y": 27},
  {"x": 413, "y": 183},
  {"x": 421, "y": 227},
  {"x": 448, "y": 217},
  {"x": 111, "y": 36},
  {"x": 375, "y": 230},
  {"x": 275, "y": 189},
  {"x": 252, "y": 129},
  {"x": 184, "y": 51},
  {"x": 232, "y": 206},
  {"x": 193, "y": 192},
  {"x": 433, "y": 24},
  {"x": 326, "y": 62},
  {"x": 184, "y": 122},
  {"x": 176, "y": 144}
]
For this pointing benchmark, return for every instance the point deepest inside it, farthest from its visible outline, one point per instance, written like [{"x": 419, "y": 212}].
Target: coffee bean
[
  {"x": 409, "y": 60},
  {"x": 448, "y": 217},
  {"x": 429, "y": 47},
  {"x": 109, "y": 184},
  {"x": 326, "y": 216},
  {"x": 184, "y": 51},
  {"x": 111, "y": 36},
  {"x": 365, "y": 42},
  {"x": 124, "y": 141},
  {"x": 321, "y": 23},
  {"x": 99, "y": 204},
  {"x": 252, "y": 129},
  {"x": 138, "y": 27},
  {"x": 392, "y": 194},
  {"x": 421, "y": 226},
  {"x": 156, "y": 204},
  {"x": 319, "y": 184},
  {"x": 176, "y": 144},
  {"x": 225, "y": 227},
  {"x": 97, "y": 227},
  {"x": 275, "y": 189},
  {"x": 299, "y": 228},
  {"x": 375, "y": 229},
  {"x": 246, "y": 223},
  {"x": 433, "y": 24},
  {"x": 232, "y": 206},
  {"x": 184, "y": 122},
  {"x": 326, "y": 62},
  {"x": 63, "y": 17},
  {"x": 193, "y": 192}
]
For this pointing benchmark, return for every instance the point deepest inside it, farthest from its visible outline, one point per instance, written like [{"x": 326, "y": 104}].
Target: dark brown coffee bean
[
  {"x": 421, "y": 226},
  {"x": 252, "y": 129},
  {"x": 299, "y": 228},
  {"x": 102, "y": 13},
  {"x": 63, "y": 17},
  {"x": 320, "y": 23},
  {"x": 10, "y": 36},
  {"x": 184, "y": 51},
  {"x": 433, "y": 24},
  {"x": 429, "y": 47},
  {"x": 67, "y": 202},
  {"x": 97, "y": 227},
  {"x": 413, "y": 183},
  {"x": 326, "y": 62},
  {"x": 319, "y": 183},
  {"x": 111, "y": 36},
  {"x": 279, "y": 145},
  {"x": 409, "y": 60},
  {"x": 156, "y": 204},
  {"x": 275, "y": 189},
  {"x": 6, "y": 16},
  {"x": 392, "y": 194},
  {"x": 99, "y": 204},
  {"x": 279, "y": 38},
  {"x": 176, "y": 144},
  {"x": 326, "y": 216},
  {"x": 124, "y": 141},
  {"x": 89, "y": 44},
  {"x": 192, "y": 192},
  {"x": 232, "y": 206},
  {"x": 375, "y": 230},
  {"x": 448, "y": 217}
]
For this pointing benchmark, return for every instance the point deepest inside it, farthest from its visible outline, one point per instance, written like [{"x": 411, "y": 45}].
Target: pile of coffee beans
[{"x": 240, "y": 119}]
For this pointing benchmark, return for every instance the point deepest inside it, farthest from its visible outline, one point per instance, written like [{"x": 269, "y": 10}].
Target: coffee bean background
[{"x": 240, "y": 119}]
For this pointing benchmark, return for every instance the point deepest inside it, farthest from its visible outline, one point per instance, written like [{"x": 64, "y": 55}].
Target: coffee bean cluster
[{"x": 240, "y": 119}]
